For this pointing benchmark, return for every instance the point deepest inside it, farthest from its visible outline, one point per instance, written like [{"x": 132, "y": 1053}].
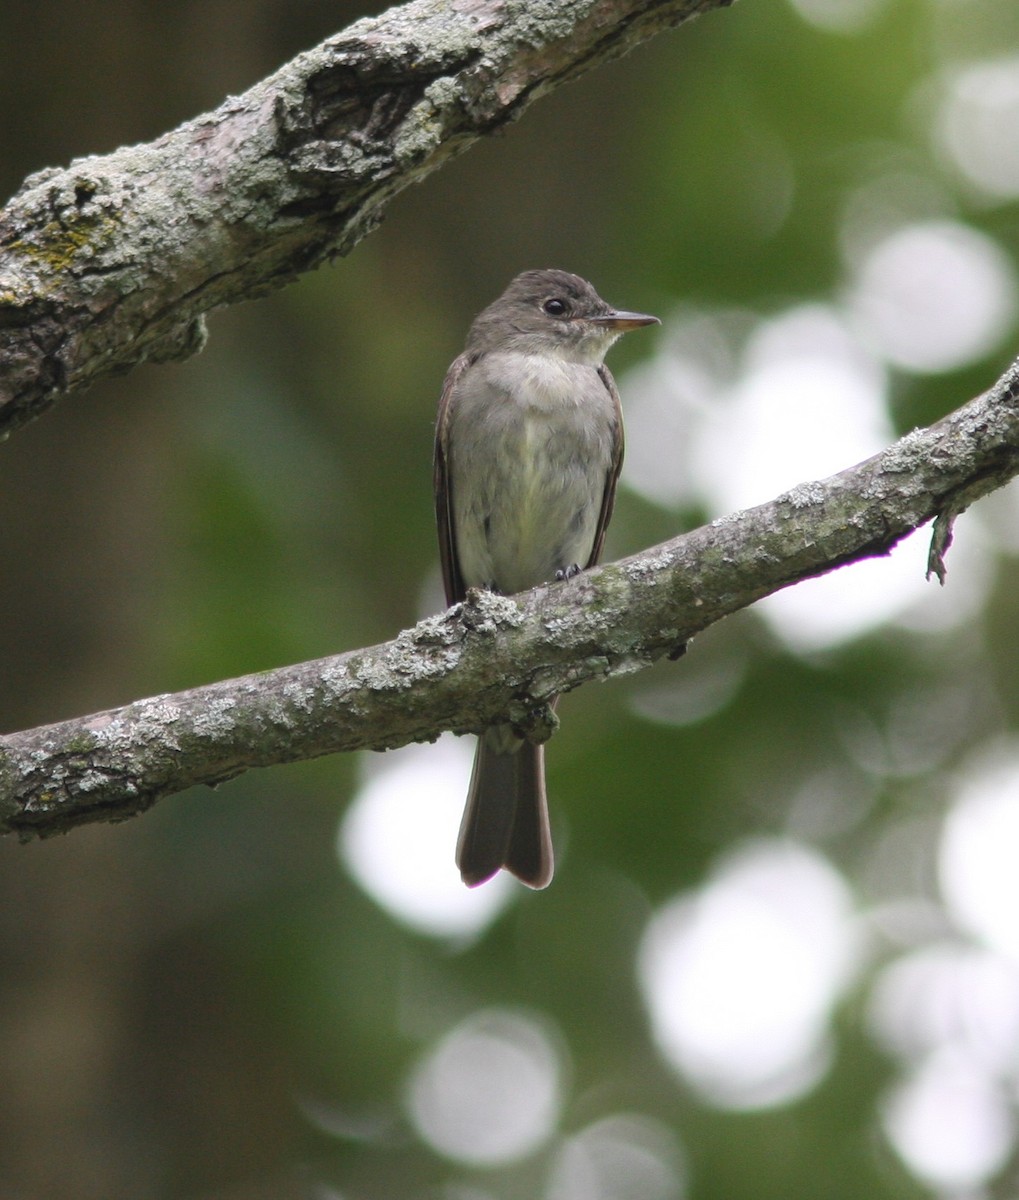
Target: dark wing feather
[
  {"x": 609, "y": 495},
  {"x": 451, "y": 577}
]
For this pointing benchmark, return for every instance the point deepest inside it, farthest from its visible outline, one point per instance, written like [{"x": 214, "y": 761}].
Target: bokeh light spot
[
  {"x": 625, "y": 1156},
  {"x": 949, "y": 996},
  {"x": 809, "y": 402},
  {"x": 489, "y": 1092},
  {"x": 740, "y": 977},
  {"x": 950, "y": 1123},
  {"x": 839, "y": 16},
  {"x": 398, "y": 837},
  {"x": 979, "y": 876},
  {"x": 976, "y": 121},
  {"x": 934, "y": 296}
]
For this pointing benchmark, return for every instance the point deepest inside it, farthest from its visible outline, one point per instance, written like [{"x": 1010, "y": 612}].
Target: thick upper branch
[
  {"x": 116, "y": 259},
  {"x": 496, "y": 656}
]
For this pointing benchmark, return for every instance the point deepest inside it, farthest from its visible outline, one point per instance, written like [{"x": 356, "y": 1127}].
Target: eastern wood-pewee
[{"x": 529, "y": 442}]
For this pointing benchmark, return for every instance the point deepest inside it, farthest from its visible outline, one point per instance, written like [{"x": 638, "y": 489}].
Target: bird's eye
[{"x": 555, "y": 307}]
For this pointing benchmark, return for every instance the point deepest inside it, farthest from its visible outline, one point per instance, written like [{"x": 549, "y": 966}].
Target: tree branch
[
  {"x": 496, "y": 656},
  {"x": 116, "y": 259}
]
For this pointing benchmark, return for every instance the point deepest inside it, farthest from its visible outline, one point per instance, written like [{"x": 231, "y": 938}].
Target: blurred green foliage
[{"x": 183, "y": 997}]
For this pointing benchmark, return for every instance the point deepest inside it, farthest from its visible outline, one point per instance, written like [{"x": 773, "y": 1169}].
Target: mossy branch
[
  {"x": 495, "y": 657},
  {"x": 117, "y": 259}
]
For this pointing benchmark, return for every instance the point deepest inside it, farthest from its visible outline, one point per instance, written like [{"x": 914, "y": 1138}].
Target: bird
[{"x": 528, "y": 449}]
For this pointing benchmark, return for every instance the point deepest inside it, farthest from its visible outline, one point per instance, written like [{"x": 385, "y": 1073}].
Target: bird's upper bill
[{"x": 622, "y": 321}]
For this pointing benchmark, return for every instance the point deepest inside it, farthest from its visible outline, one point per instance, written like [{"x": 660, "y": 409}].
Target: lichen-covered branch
[
  {"x": 117, "y": 258},
  {"x": 494, "y": 656}
]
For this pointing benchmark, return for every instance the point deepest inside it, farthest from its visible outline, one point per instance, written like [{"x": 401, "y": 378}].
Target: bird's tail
[{"x": 505, "y": 823}]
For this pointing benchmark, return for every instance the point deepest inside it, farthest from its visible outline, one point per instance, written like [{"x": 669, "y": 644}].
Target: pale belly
[{"x": 528, "y": 485}]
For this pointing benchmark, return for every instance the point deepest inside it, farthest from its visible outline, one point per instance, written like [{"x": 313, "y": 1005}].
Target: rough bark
[
  {"x": 493, "y": 656},
  {"x": 116, "y": 259}
]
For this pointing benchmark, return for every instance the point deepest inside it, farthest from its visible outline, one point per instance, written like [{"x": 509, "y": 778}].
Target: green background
[{"x": 202, "y": 1002}]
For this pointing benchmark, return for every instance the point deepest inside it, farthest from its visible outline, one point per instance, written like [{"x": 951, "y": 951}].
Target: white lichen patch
[
  {"x": 159, "y": 712},
  {"x": 434, "y": 630},
  {"x": 382, "y": 674},
  {"x": 153, "y": 717},
  {"x": 729, "y": 520},
  {"x": 651, "y": 564},
  {"x": 217, "y": 718},
  {"x": 424, "y": 127},
  {"x": 542, "y": 21},
  {"x": 486, "y": 611},
  {"x": 804, "y": 495},
  {"x": 302, "y": 697},
  {"x": 92, "y": 781},
  {"x": 334, "y": 681},
  {"x": 909, "y": 452},
  {"x": 423, "y": 652},
  {"x": 555, "y": 625}
]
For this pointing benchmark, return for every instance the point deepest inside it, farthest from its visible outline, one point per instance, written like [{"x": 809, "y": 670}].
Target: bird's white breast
[
  {"x": 534, "y": 439},
  {"x": 538, "y": 381}
]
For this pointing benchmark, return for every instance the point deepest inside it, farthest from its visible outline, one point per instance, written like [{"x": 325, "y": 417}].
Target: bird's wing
[
  {"x": 451, "y": 577},
  {"x": 612, "y": 475}
]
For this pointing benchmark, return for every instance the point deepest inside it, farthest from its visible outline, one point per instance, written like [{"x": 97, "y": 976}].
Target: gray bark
[
  {"x": 497, "y": 658},
  {"x": 117, "y": 259}
]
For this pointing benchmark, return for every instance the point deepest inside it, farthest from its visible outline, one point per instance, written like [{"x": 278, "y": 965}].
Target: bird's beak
[{"x": 622, "y": 321}]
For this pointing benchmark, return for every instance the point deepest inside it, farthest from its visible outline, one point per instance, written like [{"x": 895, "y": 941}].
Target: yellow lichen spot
[{"x": 57, "y": 244}]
